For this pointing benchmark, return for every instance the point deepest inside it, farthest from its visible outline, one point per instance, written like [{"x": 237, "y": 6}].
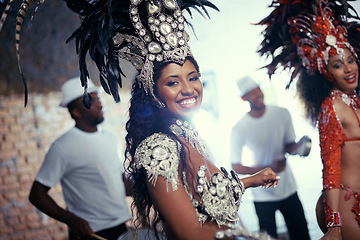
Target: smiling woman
[
  {"x": 176, "y": 186},
  {"x": 170, "y": 166},
  {"x": 321, "y": 48}
]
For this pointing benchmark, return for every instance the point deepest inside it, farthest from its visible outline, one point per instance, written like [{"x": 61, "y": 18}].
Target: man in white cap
[
  {"x": 87, "y": 164},
  {"x": 267, "y": 131}
]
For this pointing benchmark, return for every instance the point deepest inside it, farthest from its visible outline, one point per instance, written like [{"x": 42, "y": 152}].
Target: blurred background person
[
  {"x": 267, "y": 131},
  {"x": 86, "y": 162}
]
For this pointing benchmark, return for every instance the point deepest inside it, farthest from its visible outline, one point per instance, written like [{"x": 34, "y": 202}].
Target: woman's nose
[
  {"x": 347, "y": 67},
  {"x": 186, "y": 88}
]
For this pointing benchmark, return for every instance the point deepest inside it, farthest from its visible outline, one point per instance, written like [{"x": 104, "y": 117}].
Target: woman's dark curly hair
[
  {"x": 145, "y": 118},
  {"x": 312, "y": 89}
]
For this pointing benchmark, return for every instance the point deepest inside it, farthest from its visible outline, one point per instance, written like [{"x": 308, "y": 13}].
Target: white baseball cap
[
  {"x": 246, "y": 84},
  {"x": 72, "y": 90}
]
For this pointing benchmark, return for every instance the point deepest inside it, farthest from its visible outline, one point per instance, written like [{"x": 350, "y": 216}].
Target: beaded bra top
[{"x": 220, "y": 196}]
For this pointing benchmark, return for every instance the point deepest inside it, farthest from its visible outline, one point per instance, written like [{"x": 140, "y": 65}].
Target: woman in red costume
[{"x": 320, "y": 47}]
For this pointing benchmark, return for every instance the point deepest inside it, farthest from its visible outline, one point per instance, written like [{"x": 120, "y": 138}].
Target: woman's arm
[
  {"x": 265, "y": 178},
  {"x": 241, "y": 169},
  {"x": 179, "y": 213},
  {"x": 331, "y": 140}
]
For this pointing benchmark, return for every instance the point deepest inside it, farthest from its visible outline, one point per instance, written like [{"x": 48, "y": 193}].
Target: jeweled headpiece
[
  {"x": 165, "y": 42},
  {"x": 319, "y": 37},
  {"x": 305, "y": 33},
  {"x": 140, "y": 31}
]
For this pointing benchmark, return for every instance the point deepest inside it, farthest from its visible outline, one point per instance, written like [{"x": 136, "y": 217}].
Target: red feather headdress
[{"x": 304, "y": 33}]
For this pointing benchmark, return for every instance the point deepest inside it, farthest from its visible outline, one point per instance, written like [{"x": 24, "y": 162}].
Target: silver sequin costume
[{"x": 220, "y": 197}]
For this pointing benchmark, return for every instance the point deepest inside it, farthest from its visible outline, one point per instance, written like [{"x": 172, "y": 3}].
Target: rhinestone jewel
[
  {"x": 212, "y": 190},
  {"x": 201, "y": 173},
  {"x": 135, "y": 2},
  {"x": 162, "y": 17},
  {"x": 345, "y": 98},
  {"x": 170, "y": 4},
  {"x": 166, "y": 46},
  {"x": 201, "y": 180},
  {"x": 221, "y": 189},
  {"x": 165, "y": 28},
  {"x": 165, "y": 165},
  {"x": 172, "y": 39},
  {"x": 160, "y": 153},
  {"x": 152, "y": 8},
  {"x": 154, "y": 47},
  {"x": 118, "y": 39},
  {"x": 159, "y": 58},
  {"x": 136, "y": 62}
]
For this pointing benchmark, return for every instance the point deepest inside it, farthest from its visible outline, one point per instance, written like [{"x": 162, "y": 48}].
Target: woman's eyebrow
[{"x": 192, "y": 72}]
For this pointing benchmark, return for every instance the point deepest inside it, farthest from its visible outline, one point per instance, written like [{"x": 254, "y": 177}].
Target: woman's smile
[{"x": 188, "y": 103}]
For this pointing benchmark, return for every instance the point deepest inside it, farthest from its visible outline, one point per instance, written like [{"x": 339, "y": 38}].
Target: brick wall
[{"x": 25, "y": 136}]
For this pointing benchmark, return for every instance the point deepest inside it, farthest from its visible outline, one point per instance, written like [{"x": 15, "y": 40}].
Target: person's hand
[
  {"x": 278, "y": 165},
  {"x": 304, "y": 146},
  {"x": 80, "y": 228},
  {"x": 265, "y": 178},
  {"x": 333, "y": 233}
]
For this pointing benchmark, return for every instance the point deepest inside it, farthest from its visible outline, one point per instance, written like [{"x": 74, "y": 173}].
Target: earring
[{"x": 160, "y": 104}]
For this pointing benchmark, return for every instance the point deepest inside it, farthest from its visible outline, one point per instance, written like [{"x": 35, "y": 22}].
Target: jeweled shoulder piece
[
  {"x": 349, "y": 100},
  {"x": 159, "y": 155},
  {"x": 185, "y": 129}
]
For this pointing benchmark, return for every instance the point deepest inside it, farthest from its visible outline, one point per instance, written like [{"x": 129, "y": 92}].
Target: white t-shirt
[
  {"x": 90, "y": 172},
  {"x": 265, "y": 138}
]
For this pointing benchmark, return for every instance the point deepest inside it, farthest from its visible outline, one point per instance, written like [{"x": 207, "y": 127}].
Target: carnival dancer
[
  {"x": 191, "y": 197},
  {"x": 321, "y": 47},
  {"x": 175, "y": 184}
]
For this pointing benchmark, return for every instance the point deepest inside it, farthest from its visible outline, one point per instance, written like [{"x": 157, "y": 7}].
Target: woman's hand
[
  {"x": 265, "y": 178},
  {"x": 333, "y": 233}
]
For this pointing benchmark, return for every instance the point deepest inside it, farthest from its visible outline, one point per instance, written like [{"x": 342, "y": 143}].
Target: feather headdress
[
  {"x": 305, "y": 33},
  {"x": 140, "y": 31}
]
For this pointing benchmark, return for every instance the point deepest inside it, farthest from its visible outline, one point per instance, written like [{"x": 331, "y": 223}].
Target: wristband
[{"x": 332, "y": 219}]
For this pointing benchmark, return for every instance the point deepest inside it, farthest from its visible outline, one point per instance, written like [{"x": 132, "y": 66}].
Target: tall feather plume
[
  {"x": 100, "y": 21},
  {"x": 277, "y": 42},
  {"x": 19, "y": 21},
  {"x": 5, "y": 13}
]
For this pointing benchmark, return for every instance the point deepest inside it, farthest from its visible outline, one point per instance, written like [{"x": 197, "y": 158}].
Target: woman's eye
[
  {"x": 351, "y": 60},
  {"x": 171, "y": 83},
  {"x": 194, "y": 78},
  {"x": 337, "y": 66}
]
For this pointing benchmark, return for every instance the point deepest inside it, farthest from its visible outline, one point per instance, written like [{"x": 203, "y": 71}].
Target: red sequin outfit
[{"x": 332, "y": 137}]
